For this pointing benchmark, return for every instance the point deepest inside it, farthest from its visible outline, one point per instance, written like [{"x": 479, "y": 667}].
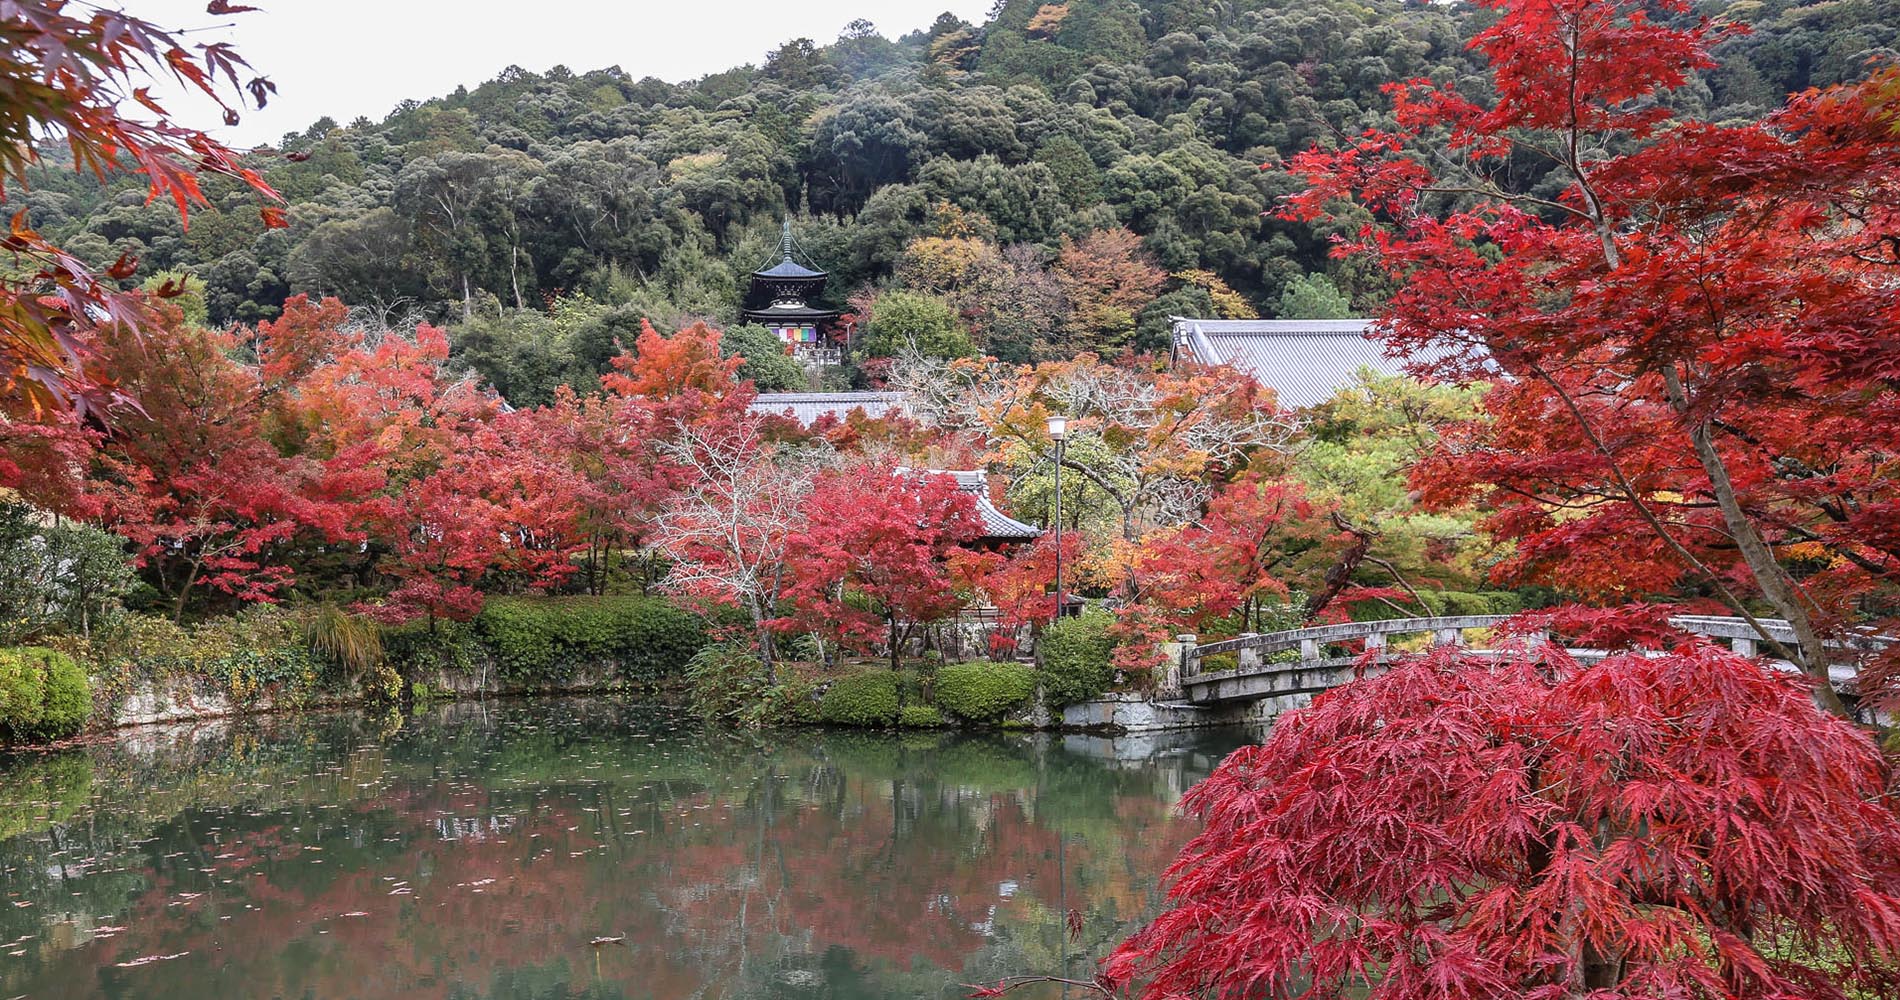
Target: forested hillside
[{"x": 1059, "y": 178}]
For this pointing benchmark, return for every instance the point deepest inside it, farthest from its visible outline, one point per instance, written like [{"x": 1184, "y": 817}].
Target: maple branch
[
  {"x": 1502, "y": 195},
  {"x": 1400, "y": 577},
  {"x": 1009, "y": 983},
  {"x": 1662, "y": 531}
]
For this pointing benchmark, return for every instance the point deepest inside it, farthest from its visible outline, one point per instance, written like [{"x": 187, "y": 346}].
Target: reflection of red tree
[{"x": 708, "y": 887}]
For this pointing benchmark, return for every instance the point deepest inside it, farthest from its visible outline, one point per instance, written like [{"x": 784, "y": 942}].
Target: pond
[{"x": 576, "y": 848}]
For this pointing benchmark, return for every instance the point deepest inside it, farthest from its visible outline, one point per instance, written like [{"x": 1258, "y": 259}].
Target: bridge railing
[{"x": 1256, "y": 653}]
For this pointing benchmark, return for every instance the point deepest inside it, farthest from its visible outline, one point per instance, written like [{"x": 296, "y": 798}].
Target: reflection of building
[
  {"x": 1304, "y": 361},
  {"x": 779, "y": 300}
]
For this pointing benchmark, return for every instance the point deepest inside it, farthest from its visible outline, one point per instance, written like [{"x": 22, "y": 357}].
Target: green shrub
[
  {"x": 63, "y": 578},
  {"x": 1075, "y": 657},
  {"x": 727, "y": 687},
  {"x": 726, "y": 682},
  {"x": 548, "y": 640},
  {"x": 792, "y": 701},
  {"x": 259, "y": 650},
  {"x": 1443, "y": 603},
  {"x": 353, "y": 644},
  {"x": 919, "y": 717},
  {"x": 44, "y": 695},
  {"x": 984, "y": 692},
  {"x": 1220, "y": 663},
  {"x": 867, "y": 699},
  {"x": 417, "y": 653},
  {"x": 913, "y": 687}
]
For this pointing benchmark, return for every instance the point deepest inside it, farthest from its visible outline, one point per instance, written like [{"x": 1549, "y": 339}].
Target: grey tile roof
[
  {"x": 788, "y": 268},
  {"x": 996, "y": 524},
  {"x": 1304, "y": 361},
  {"x": 807, "y": 407}
]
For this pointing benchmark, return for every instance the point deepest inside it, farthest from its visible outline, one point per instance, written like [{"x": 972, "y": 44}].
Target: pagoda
[{"x": 779, "y": 300}]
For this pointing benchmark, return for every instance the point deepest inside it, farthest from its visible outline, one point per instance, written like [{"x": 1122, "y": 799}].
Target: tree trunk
[
  {"x": 1777, "y": 587},
  {"x": 767, "y": 655},
  {"x": 184, "y": 591},
  {"x": 1342, "y": 570},
  {"x": 895, "y": 664},
  {"x": 514, "y": 274}
]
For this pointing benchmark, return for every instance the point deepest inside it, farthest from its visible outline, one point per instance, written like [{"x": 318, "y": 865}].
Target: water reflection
[{"x": 575, "y": 849}]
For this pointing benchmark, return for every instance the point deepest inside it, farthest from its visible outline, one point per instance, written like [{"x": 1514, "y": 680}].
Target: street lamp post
[{"x": 1059, "y": 433}]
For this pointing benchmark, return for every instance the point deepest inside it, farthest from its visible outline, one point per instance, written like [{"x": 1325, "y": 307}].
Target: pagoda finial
[{"x": 785, "y": 238}]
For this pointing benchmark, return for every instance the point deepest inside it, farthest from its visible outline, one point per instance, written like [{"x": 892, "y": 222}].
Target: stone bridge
[{"x": 1285, "y": 669}]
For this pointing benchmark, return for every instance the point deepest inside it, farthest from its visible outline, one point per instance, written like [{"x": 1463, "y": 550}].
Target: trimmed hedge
[
  {"x": 919, "y": 717},
  {"x": 867, "y": 699},
  {"x": 1075, "y": 657},
  {"x": 549, "y": 640},
  {"x": 982, "y": 691},
  {"x": 44, "y": 695}
]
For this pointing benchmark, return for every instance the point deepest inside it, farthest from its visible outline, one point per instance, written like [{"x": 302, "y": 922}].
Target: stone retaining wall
[{"x": 188, "y": 699}]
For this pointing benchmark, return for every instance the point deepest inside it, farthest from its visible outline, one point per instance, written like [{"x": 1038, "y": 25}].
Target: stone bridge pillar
[
  {"x": 1174, "y": 665},
  {"x": 1249, "y": 657}
]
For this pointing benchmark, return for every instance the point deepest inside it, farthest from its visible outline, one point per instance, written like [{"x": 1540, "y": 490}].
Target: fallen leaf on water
[{"x": 149, "y": 959}]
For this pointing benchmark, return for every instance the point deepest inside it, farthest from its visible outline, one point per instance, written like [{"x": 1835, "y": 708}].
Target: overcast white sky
[{"x": 345, "y": 58}]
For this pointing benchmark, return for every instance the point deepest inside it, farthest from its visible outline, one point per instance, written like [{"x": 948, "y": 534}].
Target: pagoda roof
[
  {"x": 790, "y": 314},
  {"x": 787, "y": 267}
]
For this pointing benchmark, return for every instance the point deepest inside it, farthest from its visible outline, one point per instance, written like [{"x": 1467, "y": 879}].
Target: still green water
[{"x": 480, "y": 851}]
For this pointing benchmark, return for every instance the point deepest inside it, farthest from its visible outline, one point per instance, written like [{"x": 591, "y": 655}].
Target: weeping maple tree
[
  {"x": 1688, "y": 327},
  {"x": 1676, "y": 825}
]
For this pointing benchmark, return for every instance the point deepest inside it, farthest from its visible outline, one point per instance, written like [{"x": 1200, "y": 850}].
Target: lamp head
[{"x": 1058, "y": 427}]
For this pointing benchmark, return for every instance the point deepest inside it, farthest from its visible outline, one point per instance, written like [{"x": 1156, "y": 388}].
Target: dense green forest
[{"x": 1061, "y": 177}]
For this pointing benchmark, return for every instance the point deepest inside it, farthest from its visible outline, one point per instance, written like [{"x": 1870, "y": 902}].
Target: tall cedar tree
[{"x": 1694, "y": 334}]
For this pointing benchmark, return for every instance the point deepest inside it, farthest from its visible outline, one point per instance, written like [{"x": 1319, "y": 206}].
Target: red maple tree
[
  {"x": 81, "y": 75},
  {"x": 874, "y": 557},
  {"x": 195, "y": 481},
  {"x": 1693, "y": 332},
  {"x": 1677, "y": 825}
]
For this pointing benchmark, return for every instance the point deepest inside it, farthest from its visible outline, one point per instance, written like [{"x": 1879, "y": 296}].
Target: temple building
[
  {"x": 780, "y": 300},
  {"x": 1304, "y": 361}
]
